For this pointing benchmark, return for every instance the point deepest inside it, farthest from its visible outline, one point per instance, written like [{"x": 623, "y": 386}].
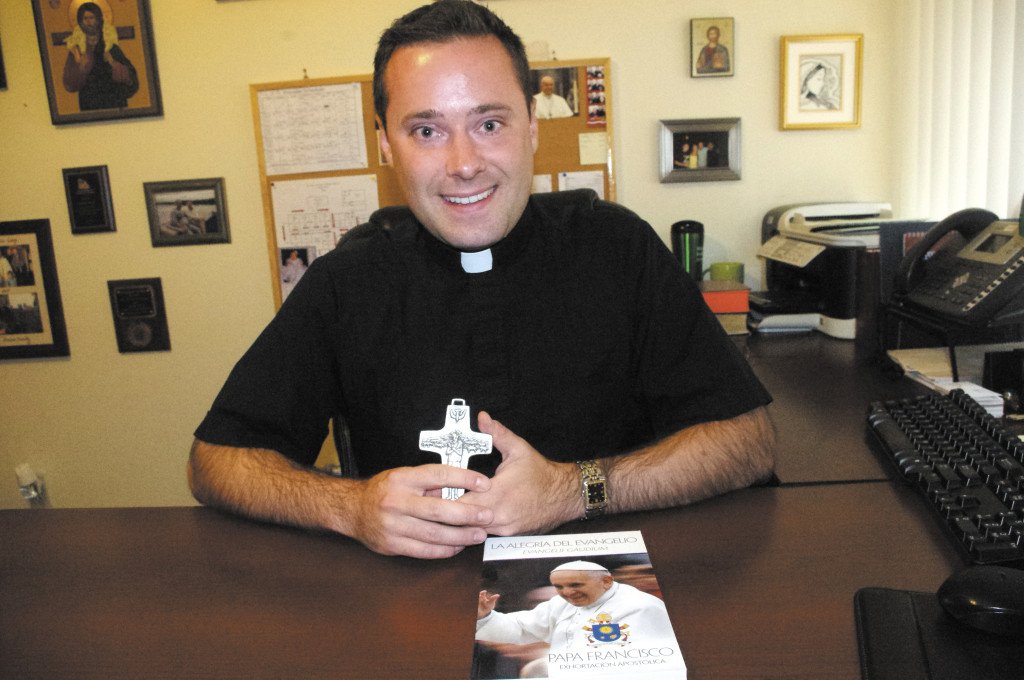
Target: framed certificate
[{"x": 89, "y": 206}]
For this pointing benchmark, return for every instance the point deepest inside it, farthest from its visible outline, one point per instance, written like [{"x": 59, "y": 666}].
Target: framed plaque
[
  {"x": 140, "y": 318},
  {"x": 89, "y": 206}
]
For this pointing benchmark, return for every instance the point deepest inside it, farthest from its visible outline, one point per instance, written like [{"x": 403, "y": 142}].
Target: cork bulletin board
[{"x": 322, "y": 172}]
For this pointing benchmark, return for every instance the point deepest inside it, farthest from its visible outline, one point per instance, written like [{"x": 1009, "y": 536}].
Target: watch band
[{"x": 594, "y": 488}]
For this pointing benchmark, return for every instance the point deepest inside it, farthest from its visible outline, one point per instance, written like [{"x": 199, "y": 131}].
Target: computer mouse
[{"x": 987, "y": 598}]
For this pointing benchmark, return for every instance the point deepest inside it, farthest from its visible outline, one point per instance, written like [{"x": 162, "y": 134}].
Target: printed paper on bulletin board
[
  {"x": 312, "y": 129},
  {"x": 311, "y": 216}
]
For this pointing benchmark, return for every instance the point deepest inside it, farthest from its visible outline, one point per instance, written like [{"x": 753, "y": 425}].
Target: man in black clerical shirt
[{"x": 561, "y": 315}]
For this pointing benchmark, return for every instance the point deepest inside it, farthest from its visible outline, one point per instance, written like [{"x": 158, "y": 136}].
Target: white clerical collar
[{"x": 478, "y": 262}]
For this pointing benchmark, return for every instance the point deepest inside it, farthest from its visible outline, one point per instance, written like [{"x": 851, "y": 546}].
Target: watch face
[{"x": 595, "y": 493}]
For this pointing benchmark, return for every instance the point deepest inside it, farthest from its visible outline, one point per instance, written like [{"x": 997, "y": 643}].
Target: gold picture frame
[
  {"x": 820, "y": 81},
  {"x": 87, "y": 81}
]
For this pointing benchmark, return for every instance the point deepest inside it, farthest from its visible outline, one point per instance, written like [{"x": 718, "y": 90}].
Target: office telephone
[{"x": 968, "y": 268}]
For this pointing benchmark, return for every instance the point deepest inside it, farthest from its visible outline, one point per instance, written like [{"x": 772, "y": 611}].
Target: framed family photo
[
  {"x": 31, "y": 315},
  {"x": 820, "y": 81},
  {"x": 700, "y": 150},
  {"x": 98, "y": 59},
  {"x": 712, "y": 47},
  {"x": 187, "y": 212},
  {"x": 89, "y": 205}
]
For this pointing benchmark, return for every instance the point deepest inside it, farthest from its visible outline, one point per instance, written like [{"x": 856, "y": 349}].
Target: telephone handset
[{"x": 968, "y": 268}]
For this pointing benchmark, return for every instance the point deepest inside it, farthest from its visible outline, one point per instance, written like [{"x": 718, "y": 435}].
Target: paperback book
[
  {"x": 573, "y": 606},
  {"x": 726, "y": 296}
]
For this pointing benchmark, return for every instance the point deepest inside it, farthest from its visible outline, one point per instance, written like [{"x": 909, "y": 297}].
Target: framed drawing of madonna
[{"x": 820, "y": 81}]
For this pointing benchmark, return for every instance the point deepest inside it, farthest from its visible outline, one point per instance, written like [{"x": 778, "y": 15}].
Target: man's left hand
[{"x": 528, "y": 493}]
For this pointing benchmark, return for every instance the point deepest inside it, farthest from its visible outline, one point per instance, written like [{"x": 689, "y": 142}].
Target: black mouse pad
[{"x": 904, "y": 635}]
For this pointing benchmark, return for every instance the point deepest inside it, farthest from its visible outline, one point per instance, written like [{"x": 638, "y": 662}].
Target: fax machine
[{"x": 812, "y": 253}]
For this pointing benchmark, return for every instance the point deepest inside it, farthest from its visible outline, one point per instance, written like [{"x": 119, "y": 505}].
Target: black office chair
[{"x": 343, "y": 444}]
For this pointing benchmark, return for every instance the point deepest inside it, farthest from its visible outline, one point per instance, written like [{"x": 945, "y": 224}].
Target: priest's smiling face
[
  {"x": 581, "y": 588},
  {"x": 461, "y": 138}
]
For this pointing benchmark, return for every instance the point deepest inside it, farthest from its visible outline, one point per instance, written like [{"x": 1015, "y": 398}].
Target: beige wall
[{"x": 105, "y": 428}]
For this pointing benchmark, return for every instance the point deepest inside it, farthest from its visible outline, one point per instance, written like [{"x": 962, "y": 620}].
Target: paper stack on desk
[{"x": 931, "y": 367}]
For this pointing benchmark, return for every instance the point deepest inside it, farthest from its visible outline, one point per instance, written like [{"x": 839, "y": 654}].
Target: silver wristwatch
[{"x": 595, "y": 488}]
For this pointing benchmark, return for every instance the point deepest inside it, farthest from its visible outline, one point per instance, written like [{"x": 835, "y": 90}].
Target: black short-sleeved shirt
[{"x": 586, "y": 338}]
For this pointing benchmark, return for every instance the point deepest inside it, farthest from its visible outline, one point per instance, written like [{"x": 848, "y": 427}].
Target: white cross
[{"x": 455, "y": 442}]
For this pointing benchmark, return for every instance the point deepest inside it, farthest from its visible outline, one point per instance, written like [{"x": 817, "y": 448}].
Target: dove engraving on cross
[{"x": 455, "y": 442}]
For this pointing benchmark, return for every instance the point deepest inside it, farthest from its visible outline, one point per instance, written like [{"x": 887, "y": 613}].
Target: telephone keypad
[{"x": 960, "y": 289}]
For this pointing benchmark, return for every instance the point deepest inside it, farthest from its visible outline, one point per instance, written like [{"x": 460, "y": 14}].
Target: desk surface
[
  {"x": 821, "y": 389},
  {"x": 759, "y": 583}
]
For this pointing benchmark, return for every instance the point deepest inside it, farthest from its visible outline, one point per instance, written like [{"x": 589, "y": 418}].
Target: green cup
[{"x": 721, "y": 271}]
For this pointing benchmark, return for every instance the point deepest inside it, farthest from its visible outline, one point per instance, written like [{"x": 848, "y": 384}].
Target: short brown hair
[{"x": 443, "y": 21}]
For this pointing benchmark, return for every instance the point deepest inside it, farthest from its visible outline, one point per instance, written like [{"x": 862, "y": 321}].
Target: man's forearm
[
  {"x": 398, "y": 511},
  {"x": 530, "y": 493},
  {"x": 263, "y": 484},
  {"x": 696, "y": 463}
]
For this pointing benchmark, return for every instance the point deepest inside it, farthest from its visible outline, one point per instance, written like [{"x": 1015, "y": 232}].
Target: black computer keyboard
[{"x": 968, "y": 466}]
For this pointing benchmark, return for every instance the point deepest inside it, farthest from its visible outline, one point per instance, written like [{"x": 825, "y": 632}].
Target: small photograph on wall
[
  {"x": 187, "y": 212},
  {"x": 597, "y": 113},
  {"x": 98, "y": 59},
  {"x": 712, "y": 47},
  {"x": 700, "y": 150},
  {"x": 557, "y": 92},
  {"x": 292, "y": 265}
]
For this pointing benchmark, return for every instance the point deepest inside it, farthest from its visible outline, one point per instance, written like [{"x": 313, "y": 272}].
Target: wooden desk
[
  {"x": 759, "y": 583},
  {"x": 822, "y": 388}
]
